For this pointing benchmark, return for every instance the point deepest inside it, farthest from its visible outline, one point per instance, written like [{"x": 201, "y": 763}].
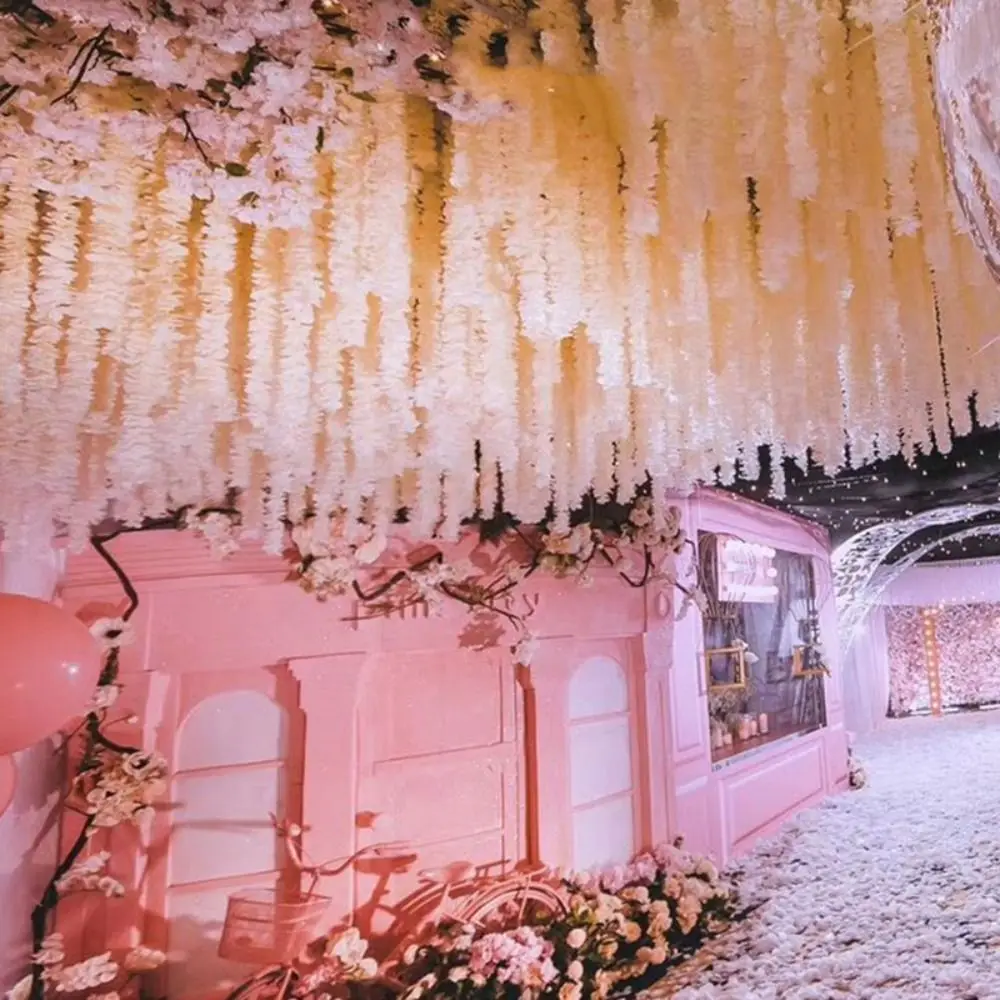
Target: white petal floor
[{"x": 889, "y": 893}]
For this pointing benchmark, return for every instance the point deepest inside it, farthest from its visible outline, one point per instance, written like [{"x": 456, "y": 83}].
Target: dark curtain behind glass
[{"x": 772, "y": 631}]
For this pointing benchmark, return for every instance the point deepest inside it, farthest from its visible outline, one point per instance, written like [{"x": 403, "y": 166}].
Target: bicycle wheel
[
  {"x": 505, "y": 907},
  {"x": 265, "y": 985}
]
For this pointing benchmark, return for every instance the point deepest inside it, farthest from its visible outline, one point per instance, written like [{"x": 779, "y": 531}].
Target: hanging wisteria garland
[{"x": 225, "y": 263}]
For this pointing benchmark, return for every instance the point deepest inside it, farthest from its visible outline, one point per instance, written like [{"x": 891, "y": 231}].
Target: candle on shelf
[
  {"x": 727, "y": 739},
  {"x": 743, "y": 730},
  {"x": 753, "y": 727},
  {"x": 762, "y": 724}
]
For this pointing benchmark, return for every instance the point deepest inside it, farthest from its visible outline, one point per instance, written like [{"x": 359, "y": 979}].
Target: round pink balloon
[
  {"x": 49, "y": 667},
  {"x": 8, "y": 782}
]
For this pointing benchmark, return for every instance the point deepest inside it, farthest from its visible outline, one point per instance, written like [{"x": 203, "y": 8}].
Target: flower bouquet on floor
[
  {"x": 627, "y": 925},
  {"x": 857, "y": 776},
  {"x": 462, "y": 961}
]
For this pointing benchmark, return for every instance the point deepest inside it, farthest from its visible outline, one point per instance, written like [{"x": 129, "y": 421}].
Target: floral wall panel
[
  {"x": 968, "y": 638},
  {"x": 968, "y": 650},
  {"x": 908, "y": 690}
]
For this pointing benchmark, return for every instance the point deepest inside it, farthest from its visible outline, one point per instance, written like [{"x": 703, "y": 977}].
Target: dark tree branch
[
  {"x": 88, "y": 56},
  {"x": 189, "y": 133},
  {"x": 8, "y": 91}
]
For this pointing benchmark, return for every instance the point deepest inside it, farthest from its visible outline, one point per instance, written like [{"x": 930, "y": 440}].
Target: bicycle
[
  {"x": 467, "y": 897},
  {"x": 258, "y": 927}
]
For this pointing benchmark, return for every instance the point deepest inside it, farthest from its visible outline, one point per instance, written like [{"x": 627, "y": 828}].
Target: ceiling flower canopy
[
  {"x": 464, "y": 258},
  {"x": 967, "y": 73}
]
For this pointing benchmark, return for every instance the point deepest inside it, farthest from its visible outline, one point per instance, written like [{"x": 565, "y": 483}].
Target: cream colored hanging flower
[
  {"x": 112, "y": 633},
  {"x": 20, "y": 991},
  {"x": 143, "y": 959},
  {"x": 219, "y": 529},
  {"x": 370, "y": 551},
  {"x": 104, "y": 697},
  {"x": 52, "y": 951},
  {"x": 523, "y": 651},
  {"x": 98, "y": 970}
]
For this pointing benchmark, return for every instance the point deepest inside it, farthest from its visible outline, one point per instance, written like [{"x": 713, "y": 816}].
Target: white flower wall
[
  {"x": 664, "y": 234},
  {"x": 908, "y": 678}
]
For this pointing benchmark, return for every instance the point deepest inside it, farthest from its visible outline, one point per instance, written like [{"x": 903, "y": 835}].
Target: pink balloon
[
  {"x": 49, "y": 668},
  {"x": 8, "y": 782}
]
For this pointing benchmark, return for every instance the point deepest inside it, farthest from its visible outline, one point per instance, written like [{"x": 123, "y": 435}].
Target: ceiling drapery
[{"x": 658, "y": 235}]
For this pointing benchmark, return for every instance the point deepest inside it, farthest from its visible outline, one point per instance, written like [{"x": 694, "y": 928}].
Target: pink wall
[
  {"x": 29, "y": 828},
  {"x": 946, "y": 583},
  {"x": 866, "y": 676},
  {"x": 265, "y": 700}
]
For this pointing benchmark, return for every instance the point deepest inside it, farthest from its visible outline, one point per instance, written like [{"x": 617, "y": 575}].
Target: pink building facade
[{"x": 267, "y": 701}]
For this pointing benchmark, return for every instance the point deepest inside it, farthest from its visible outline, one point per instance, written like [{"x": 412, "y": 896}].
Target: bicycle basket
[{"x": 260, "y": 928}]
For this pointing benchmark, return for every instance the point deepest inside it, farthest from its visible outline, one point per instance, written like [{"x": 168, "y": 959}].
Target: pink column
[
  {"x": 329, "y": 688},
  {"x": 551, "y": 827},
  {"x": 653, "y": 681}
]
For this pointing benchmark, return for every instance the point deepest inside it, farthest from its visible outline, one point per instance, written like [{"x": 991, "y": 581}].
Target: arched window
[
  {"x": 231, "y": 753},
  {"x": 601, "y": 764}
]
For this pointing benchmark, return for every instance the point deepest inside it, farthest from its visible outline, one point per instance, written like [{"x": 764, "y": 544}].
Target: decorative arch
[
  {"x": 232, "y": 728},
  {"x": 598, "y": 686},
  {"x": 856, "y": 562}
]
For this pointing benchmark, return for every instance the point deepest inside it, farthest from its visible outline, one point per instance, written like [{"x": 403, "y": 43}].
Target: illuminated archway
[{"x": 857, "y": 580}]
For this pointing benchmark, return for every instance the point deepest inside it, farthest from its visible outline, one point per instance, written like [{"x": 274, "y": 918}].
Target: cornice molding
[{"x": 151, "y": 557}]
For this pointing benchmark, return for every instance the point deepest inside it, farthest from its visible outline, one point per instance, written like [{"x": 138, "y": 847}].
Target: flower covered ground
[{"x": 889, "y": 893}]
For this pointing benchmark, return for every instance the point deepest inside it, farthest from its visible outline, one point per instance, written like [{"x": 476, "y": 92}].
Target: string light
[{"x": 931, "y": 658}]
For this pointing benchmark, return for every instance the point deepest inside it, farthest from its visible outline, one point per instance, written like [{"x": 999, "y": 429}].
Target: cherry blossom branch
[
  {"x": 88, "y": 56},
  {"x": 27, "y": 13},
  {"x": 647, "y": 569},
  {"x": 48, "y": 902},
  {"x": 189, "y": 133},
  {"x": 8, "y": 91}
]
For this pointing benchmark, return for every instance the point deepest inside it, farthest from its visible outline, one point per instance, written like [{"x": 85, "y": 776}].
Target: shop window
[
  {"x": 601, "y": 764},
  {"x": 763, "y": 660}
]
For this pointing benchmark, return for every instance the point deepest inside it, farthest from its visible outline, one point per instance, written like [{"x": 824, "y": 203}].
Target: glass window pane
[{"x": 784, "y": 691}]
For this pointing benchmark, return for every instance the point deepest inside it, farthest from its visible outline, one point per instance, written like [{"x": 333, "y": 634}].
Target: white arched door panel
[
  {"x": 231, "y": 754},
  {"x": 601, "y": 764}
]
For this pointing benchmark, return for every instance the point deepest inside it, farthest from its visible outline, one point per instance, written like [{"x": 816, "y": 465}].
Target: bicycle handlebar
[{"x": 290, "y": 832}]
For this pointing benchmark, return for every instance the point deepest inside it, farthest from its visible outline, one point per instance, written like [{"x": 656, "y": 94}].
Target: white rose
[{"x": 576, "y": 938}]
